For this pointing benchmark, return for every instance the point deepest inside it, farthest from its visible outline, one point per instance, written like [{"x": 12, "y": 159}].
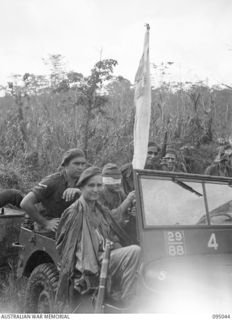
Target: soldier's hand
[
  {"x": 131, "y": 196},
  {"x": 52, "y": 225},
  {"x": 132, "y": 210},
  {"x": 70, "y": 193}
]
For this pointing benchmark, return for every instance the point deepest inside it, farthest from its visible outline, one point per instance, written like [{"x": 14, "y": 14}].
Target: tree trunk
[{"x": 86, "y": 132}]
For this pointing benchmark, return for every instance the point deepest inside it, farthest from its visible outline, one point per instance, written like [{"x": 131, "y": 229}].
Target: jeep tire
[{"x": 41, "y": 288}]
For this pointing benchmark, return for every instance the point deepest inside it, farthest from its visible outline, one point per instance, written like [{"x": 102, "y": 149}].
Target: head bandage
[{"x": 110, "y": 180}]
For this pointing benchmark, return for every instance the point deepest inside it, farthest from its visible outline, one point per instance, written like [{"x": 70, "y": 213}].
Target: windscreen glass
[
  {"x": 167, "y": 202},
  {"x": 219, "y": 197}
]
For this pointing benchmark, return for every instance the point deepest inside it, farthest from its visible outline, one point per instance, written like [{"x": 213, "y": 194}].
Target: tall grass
[{"x": 12, "y": 294}]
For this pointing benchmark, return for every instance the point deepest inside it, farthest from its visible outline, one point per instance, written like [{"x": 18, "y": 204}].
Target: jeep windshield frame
[{"x": 205, "y": 200}]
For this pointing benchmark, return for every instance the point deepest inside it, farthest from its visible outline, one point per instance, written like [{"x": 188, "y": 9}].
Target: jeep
[{"x": 184, "y": 228}]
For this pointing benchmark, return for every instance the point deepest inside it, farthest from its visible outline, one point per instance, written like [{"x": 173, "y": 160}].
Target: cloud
[{"x": 194, "y": 34}]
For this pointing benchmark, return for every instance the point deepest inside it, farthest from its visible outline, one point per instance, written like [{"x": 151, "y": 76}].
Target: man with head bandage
[{"x": 113, "y": 196}]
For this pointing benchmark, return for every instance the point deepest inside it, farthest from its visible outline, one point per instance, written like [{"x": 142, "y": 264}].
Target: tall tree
[{"x": 93, "y": 97}]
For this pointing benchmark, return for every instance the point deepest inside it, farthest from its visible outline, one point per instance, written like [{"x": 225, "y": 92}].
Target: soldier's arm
[
  {"x": 41, "y": 191},
  {"x": 120, "y": 213},
  {"x": 28, "y": 204}
]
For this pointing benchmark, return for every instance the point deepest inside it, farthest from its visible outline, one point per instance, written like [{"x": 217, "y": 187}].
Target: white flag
[{"x": 142, "y": 100}]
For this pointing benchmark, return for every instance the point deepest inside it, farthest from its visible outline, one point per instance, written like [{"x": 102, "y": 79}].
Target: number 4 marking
[{"x": 212, "y": 243}]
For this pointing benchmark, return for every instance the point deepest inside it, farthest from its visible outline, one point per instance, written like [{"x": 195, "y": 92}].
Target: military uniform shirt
[{"x": 50, "y": 191}]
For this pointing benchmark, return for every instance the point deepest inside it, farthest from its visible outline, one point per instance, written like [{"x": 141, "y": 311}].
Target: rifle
[{"x": 103, "y": 278}]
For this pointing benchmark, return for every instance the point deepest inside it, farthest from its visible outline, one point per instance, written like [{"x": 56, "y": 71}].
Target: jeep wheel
[{"x": 41, "y": 287}]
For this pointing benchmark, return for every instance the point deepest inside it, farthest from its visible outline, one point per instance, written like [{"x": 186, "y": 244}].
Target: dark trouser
[
  {"x": 11, "y": 196},
  {"x": 123, "y": 267}
]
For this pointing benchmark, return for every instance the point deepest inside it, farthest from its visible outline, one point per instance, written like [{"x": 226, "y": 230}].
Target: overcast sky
[{"x": 195, "y": 34}]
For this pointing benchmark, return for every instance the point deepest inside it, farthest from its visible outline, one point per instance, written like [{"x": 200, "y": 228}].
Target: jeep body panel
[
  {"x": 10, "y": 221},
  {"x": 35, "y": 249}
]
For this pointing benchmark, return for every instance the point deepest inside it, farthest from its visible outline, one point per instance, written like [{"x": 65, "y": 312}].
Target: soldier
[
  {"x": 83, "y": 230},
  {"x": 152, "y": 162},
  {"x": 153, "y": 156},
  {"x": 172, "y": 162},
  {"x": 163, "y": 165},
  {"x": 221, "y": 164},
  {"x": 113, "y": 196},
  {"x": 122, "y": 206},
  {"x": 55, "y": 192}
]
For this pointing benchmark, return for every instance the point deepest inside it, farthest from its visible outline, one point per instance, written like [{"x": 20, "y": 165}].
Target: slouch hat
[
  {"x": 87, "y": 174},
  {"x": 71, "y": 154}
]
